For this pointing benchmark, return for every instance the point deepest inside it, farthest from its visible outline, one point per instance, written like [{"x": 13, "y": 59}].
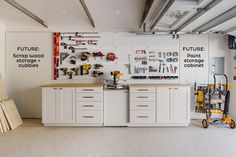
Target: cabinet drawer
[
  {"x": 143, "y": 89},
  {"x": 88, "y": 97},
  {"x": 89, "y": 117},
  {"x": 143, "y": 106},
  {"x": 142, "y": 97},
  {"x": 139, "y": 117},
  {"x": 88, "y": 90},
  {"x": 87, "y": 106}
]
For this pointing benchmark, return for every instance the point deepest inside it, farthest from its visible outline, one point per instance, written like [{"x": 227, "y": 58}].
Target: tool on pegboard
[
  {"x": 75, "y": 70},
  {"x": 128, "y": 65},
  {"x": 72, "y": 49},
  {"x": 175, "y": 69},
  {"x": 175, "y": 54},
  {"x": 175, "y": 59},
  {"x": 98, "y": 54},
  {"x": 97, "y": 73},
  {"x": 140, "y": 52},
  {"x": 169, "y": 59},
  {"x": 163, "y": 67},
  {"x": 139, "y": 77},
  {"x": 139, "y": 70},
  {"x": 85, "y": 56},
  {"x": 111, "y": 56},
  {"x": 64, "y": 45},
  {"x": 159, "y": 54},
  {"x": 70, "y": 74},
  {"x": 80, "y": 42},
  {"x": 56, "y": 40},
  {"x": 64, "y": 70},
  {"x": 168, "y": 54},
  {"x": 72, "y": 60},
  {"x": 97, "y": 66},
  {"x": 171, "y": 68},
  {"x": 84, "y": 69},
  {"x": 164, "y": 55},
  {"x": 152, "y": 69},
  {"x": 92, "y": 42},
  {"x": 63, "y": 56},
  {"x": 141, "y": 58},
  {"x": 160, "y": 63}
]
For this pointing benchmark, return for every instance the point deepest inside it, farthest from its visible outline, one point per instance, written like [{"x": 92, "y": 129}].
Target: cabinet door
[
  {"x": 115, "y": 108},
  {"x": 66, "y": 105},
  {"x": 164, "y": 105},
  {"x": 179, "y": 105},
  {"x": 49, "y": 105}
]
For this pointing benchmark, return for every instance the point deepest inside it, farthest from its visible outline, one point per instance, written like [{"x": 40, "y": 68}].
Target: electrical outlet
[{"x": 234, "y": 57}]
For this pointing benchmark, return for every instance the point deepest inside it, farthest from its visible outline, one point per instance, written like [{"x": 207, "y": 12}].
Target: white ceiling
[{"x": 108, "y": 15}]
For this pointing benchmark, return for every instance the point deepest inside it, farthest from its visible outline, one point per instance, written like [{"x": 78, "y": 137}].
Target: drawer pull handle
[
  {"x": 142, "y": 105},
  {"x": 142, "y": 90},
  {"x": 60, "y": 88},
  {"x": 142, "y": 97},
  {"x": 88, "y": 90},
  {"x": 54, "y": 88},
  {"x": 142, "y": 116},
  {"x": 88, "y": 97},
  {"x": 88, "y": 116},
  {"x": 88, "y": 105}
]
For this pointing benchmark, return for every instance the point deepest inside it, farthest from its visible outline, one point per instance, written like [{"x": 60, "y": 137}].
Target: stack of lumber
[{"x": 9, "y": 115}]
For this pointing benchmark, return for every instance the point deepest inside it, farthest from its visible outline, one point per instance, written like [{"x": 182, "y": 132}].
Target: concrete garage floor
[{"x": 33, "y": 140}]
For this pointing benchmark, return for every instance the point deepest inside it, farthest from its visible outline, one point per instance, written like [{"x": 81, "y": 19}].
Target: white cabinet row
[{"x": 89, "y": 106}]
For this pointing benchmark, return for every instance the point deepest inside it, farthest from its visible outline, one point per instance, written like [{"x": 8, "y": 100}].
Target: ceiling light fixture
[
  {"x": 117, "y": 11},
  {"x": 64, "y": 12}
]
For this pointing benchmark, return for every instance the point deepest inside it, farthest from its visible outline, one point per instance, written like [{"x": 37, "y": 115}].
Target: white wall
[
  {"x": 232, "y": 107},
  {"x": 27, "y": 94},
  {"x": 189, "y": 75},
  {"x": 23, "y": 83},
  {"x": 2, "y": 50},
  {"x": 218, "y": 47}
]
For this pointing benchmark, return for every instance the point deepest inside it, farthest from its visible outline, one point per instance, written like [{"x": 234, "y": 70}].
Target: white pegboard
[{"x": 122, "y": 44}]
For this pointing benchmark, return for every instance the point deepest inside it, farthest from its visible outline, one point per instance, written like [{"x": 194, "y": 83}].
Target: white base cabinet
[
  {"x": 169, "y": 107},
  {"x": 115, "y": 108},
  {"x": 142, "y": 105},
  {"x": 173, "y": 105},
  {"x": 58, "y": 105},
  {"x": 89, "y": 106}
]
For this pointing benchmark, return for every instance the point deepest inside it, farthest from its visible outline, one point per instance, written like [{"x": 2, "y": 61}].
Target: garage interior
[{"x": 117, "y": 78}]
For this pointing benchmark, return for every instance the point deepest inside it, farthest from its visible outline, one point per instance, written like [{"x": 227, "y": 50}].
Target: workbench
[{"x": 144, "y": 105}]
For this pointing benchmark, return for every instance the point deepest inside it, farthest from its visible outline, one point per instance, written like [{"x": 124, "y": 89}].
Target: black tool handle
[{"x": 226, "y": 79}]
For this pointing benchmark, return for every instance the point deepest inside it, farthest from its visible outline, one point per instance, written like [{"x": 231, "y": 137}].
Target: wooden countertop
[
  {"x": 159, "y": 85},
  {"x": 101, "y": 85},
  {"x": 73, "y": 85}
]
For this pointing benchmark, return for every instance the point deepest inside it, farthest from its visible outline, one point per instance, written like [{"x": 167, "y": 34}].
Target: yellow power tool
[
  {"x": 116, "y": 76},
  {"x": 84, "y": 69}
]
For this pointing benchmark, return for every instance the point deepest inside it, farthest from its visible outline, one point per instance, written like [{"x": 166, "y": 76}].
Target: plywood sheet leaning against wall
[
  {"x": 3, "y": 93},
  {"x": 9, "y": 115}
]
